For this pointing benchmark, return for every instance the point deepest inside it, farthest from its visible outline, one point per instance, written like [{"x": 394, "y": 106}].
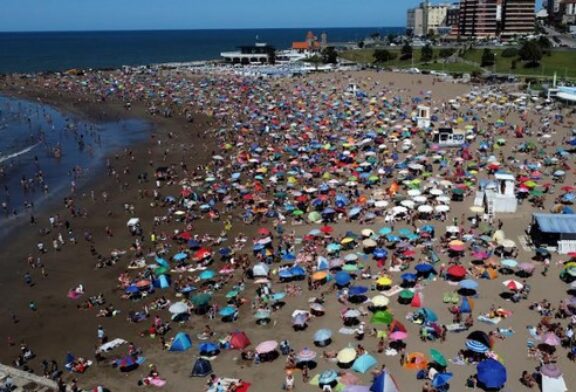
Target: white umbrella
[
  {"x": 381, "y": 203},
  {"x": 420, "y": 199},
  {"x": 399, "y": 210},
  {"x": 436, "y": 192},
  {"x": 452, "y": 229},
  {"x": 425, "y": 209},
  {"x": 442, "y": 208},
  {"x": 443, "y": 199},
  {"x": 407, "y": 203},
  {"x": 414, "y": 192},
  {"x": 178, "y": 308}
]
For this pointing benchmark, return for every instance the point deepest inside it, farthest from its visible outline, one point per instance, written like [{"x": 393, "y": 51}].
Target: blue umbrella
[
  {"x": 162, "y": 262},
  {"x": 227, "y": 311},
  {"x": 225, "y": 252},
  {"x": 354, "y": 211},
  {"x": 392, "y": 238},
  {"x": 424, "y": 268},
  {"x": 333, "y": 247},
  {"x": 427, "y": 228},
  {"x": 441, "y": 379},
  {"x": 322, "y": 335},
  {"x": 327, "y": 377},
  {"x": 385, "y": 231},
  {"x": 288, "y": 257},
  {"x": 180, "y": 256},
  {"x": 357, "y": 290},
  {"x": 510, "y": 263},
  {"x": 408, "y": 276},
  {"x": 491, "y": 373},
  {"x": 193, "y": 244},
  {"x": 380, "y": 253},
  {"x": 132, "y": 289},
  {"x": 404, "y": 232},
  {"x": 297, "y": 271},
  {"x": 207, "y": 275},
  {"x": 342, "y": 278},
  {"x": 476, "y": 346},
  {"x": 364, "y": 363},
  {"x": 469, "y": 284}
]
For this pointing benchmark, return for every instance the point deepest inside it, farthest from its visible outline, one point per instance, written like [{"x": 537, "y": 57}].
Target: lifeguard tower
[
  {"x": 498, "y": 195},
  {"x": 423, "y": 116}
]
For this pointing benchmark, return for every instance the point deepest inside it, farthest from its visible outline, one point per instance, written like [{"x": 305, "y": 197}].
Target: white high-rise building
[{"x": 427, "y": 18}]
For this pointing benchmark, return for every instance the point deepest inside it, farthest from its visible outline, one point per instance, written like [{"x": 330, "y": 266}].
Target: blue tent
[
  {"x": 465, "y": 306},
  {"x": 342, "y": 278},
  {"x": 491, "y": 374},
  {"x": 384, "y": 383},
  {"x": 209, "y": 349},
  {"x": 428, "y": 315},
  {"x": 322, "y": 263},
  {"x": 201, "y": 368},
  {"x": 364, "y": 363},
  {"x": 297, "y": 271},
  {"x": 181, "y": 342},
  {"x": 163, "y": 282}
]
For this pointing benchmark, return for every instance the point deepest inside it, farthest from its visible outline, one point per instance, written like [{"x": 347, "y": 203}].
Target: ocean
[
  {"x": 30, "y": 135},
  {"x": 55, "y": 51}
]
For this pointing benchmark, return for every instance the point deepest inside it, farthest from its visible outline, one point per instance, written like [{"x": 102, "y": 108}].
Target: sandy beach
[{"x": 196, "y": 118}]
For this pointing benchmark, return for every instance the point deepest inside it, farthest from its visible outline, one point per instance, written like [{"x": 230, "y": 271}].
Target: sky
[{"x": 74, "y": 15}]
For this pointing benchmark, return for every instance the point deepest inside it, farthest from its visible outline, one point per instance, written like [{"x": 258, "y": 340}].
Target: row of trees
[{"x": 407, "y": 52}]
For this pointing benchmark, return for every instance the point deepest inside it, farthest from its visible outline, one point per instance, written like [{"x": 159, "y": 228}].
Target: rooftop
[{"x": 556, "y": 223}]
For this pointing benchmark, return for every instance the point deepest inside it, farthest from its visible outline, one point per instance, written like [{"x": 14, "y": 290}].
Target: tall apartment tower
[
  {"x": 478, "y": 18},
  {"x": 518, "y": 17}
]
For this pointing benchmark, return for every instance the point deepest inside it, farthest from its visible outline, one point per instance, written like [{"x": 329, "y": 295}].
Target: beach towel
[
  {"x": 455, "y": 327},
  {"x": 487, "y": 320},
  {"x": 393, "y": 291},
  {"x": 346, "y": 331}
]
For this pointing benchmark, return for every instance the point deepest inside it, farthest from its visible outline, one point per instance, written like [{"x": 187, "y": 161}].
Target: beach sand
[{"x": 58, "y": 327}]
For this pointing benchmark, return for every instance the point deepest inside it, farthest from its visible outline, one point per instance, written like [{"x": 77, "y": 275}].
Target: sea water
[{"x": 45, "y": 153}]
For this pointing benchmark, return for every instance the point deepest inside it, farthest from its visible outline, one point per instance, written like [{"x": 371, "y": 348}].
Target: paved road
[{"x": 565, "y": 39}]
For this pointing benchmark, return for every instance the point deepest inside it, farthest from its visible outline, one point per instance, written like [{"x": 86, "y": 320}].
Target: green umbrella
[
  {"x": 232, "y": 293},
  {"x": 350, "y": 267},
  {"x": 382, "y": 317},
  {"x": 457, "y": 191},
  {"x": 201, "y": 299},
  {"x": 314, "y": 216},
  {"x": 406, "y": 294},
  {"x": 297, "y": 212},
  {"x": 536, "y": 193},
  {"x": 438, "y": 357},
  {"x": 161, "y": 271}
]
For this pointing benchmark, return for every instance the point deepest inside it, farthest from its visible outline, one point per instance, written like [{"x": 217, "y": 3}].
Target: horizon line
[{"x": 202, "y": 29}]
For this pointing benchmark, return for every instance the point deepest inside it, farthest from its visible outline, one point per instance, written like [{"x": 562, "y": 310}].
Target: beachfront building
[
  {"x": 517, "y": 17},
  {"x": 427, "y": 18},
  {"x": 478, "y": 19},
  {"x": 259, "y": 53},
  {"x": 499, "y": 195},
  {"x": 310, "y": 45},
  {"x": 557, "y": 231},
  {"x": 567, "y": 12}
]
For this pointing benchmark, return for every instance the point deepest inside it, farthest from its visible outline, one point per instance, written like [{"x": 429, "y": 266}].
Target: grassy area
[{"x": 562, "y": 62}]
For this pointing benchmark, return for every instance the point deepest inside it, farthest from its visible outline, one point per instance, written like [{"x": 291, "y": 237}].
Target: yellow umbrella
[
  {"x": 477, "y": 209},
  {"x": 455, "y": 243},
  {"x": 347, "y": 240},
  {"x": 384, "y": 281},
  {"x": 319, "y": 275},
  {"x": 346, "y": 355}
]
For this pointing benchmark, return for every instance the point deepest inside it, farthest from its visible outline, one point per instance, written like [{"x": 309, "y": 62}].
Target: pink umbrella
[
  {"x": 349, "y": 379},
  {"x": 457, "y": 248},
  {"x": 480, "y": 255},
  {"x": 306, "y": 355},
  {"x": 527, "y": 267},
  {"x": 398, "y": 335},
  {"x": 551, "y": 339},
  {"x": 267, "y": 346}
]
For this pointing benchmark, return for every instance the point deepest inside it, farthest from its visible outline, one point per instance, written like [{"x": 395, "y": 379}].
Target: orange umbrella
[
  {"x": 416, "y": 361},
  {"x": 320, "y": 275}
]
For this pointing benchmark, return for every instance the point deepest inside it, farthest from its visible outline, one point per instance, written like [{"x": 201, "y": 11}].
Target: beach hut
[
  {"x": 201, "y": 368},
  {"x": 554, "y": 230},
  {"x": 181, "y": 342}
]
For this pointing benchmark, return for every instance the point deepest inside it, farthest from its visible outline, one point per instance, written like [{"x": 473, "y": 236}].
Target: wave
[{"x": 18, "y": 153}]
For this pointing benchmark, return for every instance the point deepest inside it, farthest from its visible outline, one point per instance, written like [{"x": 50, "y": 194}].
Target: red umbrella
[
  {"x": 263, "y": 231},
  {"x": 185, "y": 236},
  {"x": 202, "y": 253},
  {"x": 456, "y": 271},
  {"x": 326, "y": 229}
]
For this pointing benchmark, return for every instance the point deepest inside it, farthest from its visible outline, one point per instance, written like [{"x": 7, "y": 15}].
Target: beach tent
[
  {"x": 491, "y": 374},
  {"x": 384, "y": 383},
  {"x": 181, "y": 342},
  {"x": 260, "y": 269},
  {"x": 364, "y": 363},
  {"x": 209, "y": 349},
  {"x": 239, "y": 340},
  {"x": 201, "y": 368}
]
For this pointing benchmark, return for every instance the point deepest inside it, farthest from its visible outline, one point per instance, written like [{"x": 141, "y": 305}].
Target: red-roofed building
[{"x": 311, "y": 44}]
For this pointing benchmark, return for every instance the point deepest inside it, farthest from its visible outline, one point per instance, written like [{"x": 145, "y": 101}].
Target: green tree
[
  {"x": 406, "y": 52},
  {"x": 383, "y": 55},
  {"x": 488, "y": 58},
  {"x": 531, "y": 53},
  {"x": 360, "y": 44},
  {"x": 427, "y": 53},
  {"x": 329, "y": 55},
  {"x": 391, "y": 37},
  {"x": 375, "y": 36},
  {"x": 446, "y": 52}
]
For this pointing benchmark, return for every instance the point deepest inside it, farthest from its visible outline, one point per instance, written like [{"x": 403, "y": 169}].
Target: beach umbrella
[
  {"x": 201, "y": 299},
  {"x": 232, "y": 294},
  {"x": 364, "y": 363},
  {"x": 551, "y": 339},
  {"x": 438, "y": 357},
  {"x": 357, "y": 290},
  {"x": 428, "y": 314},
  {"x": 551, "y": 370},
  {"x": 477, "y": 347},
  {"x": 384, "y": 281},
  {"x": 456, "y": 272},
  {"x": 398, "y": 335},
  {"x": 416, "y": 361},
  {"x": 262, "y": 314},
  {"x": 382, "y": 317},
  {"x": 227, "y": 311},
  {"x": 127, "y": 364},
  {"x": 509, "y": 263},
  {"x": 513, "y": 285},
  {"x": 424, "y": 268},
  {"x": 327, "y": 377},
  {"x": 266, "y": 346},
  {"x": 346, "y": 355},
  {"x": 380, "y": 301},
  {"x": 468, "y": 284},
  {"x": 322, "y": 335},
  {"x": 491, "y": 373},
  {"x": 384, "y": 383},
  {"x": 409, "y": 277},
  {"x": 380, "y": 253},
  {"x": 479, "y": 336},
  {"x": 441, "y": 379},
  {"x": 385, "y": 231},
  {"x": 207, "y": 275},
  {"x": 306, "y": 355},
  {"x": 178, "y": 308},
  {"x": 342, "y": 278}
]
